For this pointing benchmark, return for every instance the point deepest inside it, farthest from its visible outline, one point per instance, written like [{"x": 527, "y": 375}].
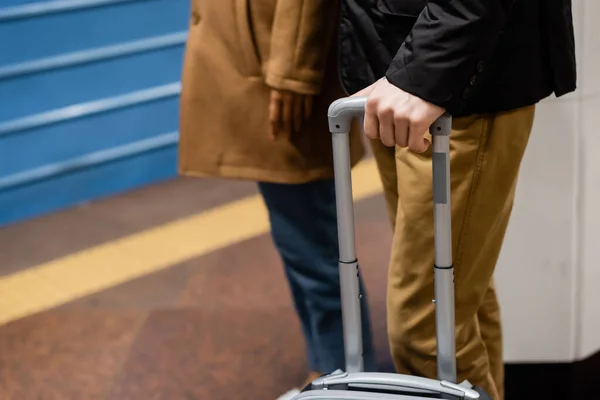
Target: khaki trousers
[{"x": 485, "y": 156}]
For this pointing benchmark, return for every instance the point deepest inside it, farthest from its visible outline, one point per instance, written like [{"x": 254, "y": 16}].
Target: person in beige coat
[{"x": 258, "y": 78}]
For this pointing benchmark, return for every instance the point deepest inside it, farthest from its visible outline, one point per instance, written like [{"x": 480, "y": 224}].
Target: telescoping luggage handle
[{"x": 341, "y": 113}]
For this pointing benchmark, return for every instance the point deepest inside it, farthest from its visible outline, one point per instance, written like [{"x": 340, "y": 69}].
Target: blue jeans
[{"x": 304, "y": 230}]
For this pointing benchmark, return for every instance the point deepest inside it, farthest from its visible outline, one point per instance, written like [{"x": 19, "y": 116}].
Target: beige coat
[{"x": 236, "y": 51}]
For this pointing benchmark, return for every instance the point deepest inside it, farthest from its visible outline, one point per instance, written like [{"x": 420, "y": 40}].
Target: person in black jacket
[{"x": 487, "y": 63}]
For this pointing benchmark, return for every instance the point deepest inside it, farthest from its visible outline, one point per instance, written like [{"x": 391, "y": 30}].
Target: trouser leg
[
  {"x": 486, "y": 153},
  {"x": 490, "y": 327},
  {"x": 304, "y": 230}
]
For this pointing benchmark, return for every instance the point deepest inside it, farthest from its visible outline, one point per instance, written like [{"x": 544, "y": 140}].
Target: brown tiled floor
[
  {"x": 84, "y": 226},
  {"x": 66, "y": 355},
  {"x": 217, "y": 327}
]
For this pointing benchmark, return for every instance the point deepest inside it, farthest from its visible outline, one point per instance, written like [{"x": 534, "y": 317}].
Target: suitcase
[{"x": 354, "y": 383}]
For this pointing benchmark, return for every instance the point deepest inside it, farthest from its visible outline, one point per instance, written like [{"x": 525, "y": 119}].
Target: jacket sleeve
[
  {"x": 300, "y": 43},
  {"x": 447, "y": 49}
]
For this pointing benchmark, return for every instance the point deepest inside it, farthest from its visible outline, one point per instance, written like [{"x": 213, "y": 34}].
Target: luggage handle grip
[{"x": 340, "y": 116}]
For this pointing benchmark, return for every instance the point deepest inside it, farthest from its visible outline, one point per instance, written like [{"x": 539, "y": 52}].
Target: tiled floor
[{"x": 220, "y": 326}]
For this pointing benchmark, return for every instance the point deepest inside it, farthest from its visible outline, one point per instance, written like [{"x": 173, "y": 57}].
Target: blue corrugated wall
[{"x": 88, "y": 99}]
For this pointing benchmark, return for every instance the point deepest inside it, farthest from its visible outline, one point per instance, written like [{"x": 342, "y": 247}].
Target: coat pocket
[
  {"x": 398, "y": 18},
  {"x": 249, "y": 50}
]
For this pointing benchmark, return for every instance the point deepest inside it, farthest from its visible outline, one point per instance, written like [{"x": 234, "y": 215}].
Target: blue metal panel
[
  {"x": 76, "y": 82},
  {"x": 25, "y": 37},
  {"x": 78, "y": 185},
  {"x": 72, "y": 137},
  {"x": 90, "y": 92}
]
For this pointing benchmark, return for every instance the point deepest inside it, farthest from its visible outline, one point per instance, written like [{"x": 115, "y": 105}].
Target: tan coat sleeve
[{"x": 300, "y": 43}]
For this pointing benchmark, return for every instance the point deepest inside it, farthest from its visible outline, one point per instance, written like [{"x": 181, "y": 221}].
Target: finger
[
  {"x": 308, "y": 104},
  {"x": 371, "y": 122},
  {"x": 274, "y": 113},
  {"x": 286, "y": 114},
  {"x": 272, "y": 131},
  {"x": 416, "y": 141},
  {"x": 298, "y": 117},
  {"x": 386, "y": 125},
  {"x": 401, "y": 131}
]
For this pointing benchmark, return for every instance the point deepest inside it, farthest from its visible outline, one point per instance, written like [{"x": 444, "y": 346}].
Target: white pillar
[{"x": 548, "y": 275}]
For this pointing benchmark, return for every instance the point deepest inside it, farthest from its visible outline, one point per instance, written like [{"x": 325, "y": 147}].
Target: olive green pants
[{"x": 485, "y": 156}]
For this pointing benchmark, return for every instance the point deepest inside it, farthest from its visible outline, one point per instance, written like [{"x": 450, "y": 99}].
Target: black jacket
[{"x": 468, "y": 56}]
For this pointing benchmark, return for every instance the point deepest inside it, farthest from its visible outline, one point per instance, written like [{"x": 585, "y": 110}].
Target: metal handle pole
[
  {"x": 341, "y": 113},
  {"x": 443, "y": 268}
]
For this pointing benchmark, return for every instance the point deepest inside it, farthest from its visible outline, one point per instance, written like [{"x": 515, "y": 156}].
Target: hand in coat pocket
[{"x": 287, "y": 111}]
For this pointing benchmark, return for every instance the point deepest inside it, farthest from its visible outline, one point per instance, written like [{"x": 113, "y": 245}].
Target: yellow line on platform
[{"x": 101, "y": 267}]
